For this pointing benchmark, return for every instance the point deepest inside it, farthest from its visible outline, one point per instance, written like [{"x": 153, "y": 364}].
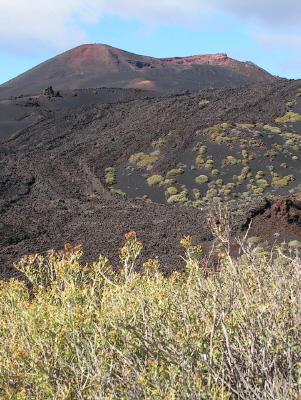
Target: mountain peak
[{"x": 100, "y": 65}]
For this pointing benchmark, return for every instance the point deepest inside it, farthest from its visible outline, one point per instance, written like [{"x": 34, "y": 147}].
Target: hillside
[
  {"x": 58, "y": 176},
  {"x": 91, "y": 66}
]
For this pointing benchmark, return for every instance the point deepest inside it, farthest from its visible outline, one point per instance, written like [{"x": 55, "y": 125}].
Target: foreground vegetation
[{"x": 86, "y": 332}]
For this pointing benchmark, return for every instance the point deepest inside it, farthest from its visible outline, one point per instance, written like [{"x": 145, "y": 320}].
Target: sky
[{"x": 267, "y": 32}]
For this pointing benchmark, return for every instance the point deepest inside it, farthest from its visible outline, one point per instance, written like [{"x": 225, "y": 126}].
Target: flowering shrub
[{"x": 86, "y": 332}]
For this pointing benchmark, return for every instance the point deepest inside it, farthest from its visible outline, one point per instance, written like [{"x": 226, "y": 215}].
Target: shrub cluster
[{"x": 86, "y": 332}]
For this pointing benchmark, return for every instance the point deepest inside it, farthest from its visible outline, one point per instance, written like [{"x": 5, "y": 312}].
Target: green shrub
[
  {"x": 273, "y": 129},
  {"x": 230, "y": 160},
  {"x": 147, "y": 161},
  {"x": 196, "y": 194},
  {"x": 209, "y": 165},
  {"x": 86, "y": 332},
  {"x": 204, "y": 103},
  {"x": 263, "y": 183},
  {"x": 245, "y": 126},
  {"x": 291, "y": 104},
  {"x": 119, "y": 192},
  {"x": 230, "y": 185},
  {"x": 200, "y": 160},
  {"x": 281, "y": 182},
  {"x": 295, "y": 244},
  {"x": 226, "y": 192},
  {"x": 258, "y": 190},
  {"x": 179, "y": 198},
  {"x": 201, "y": 179},
  {"x": 212, "y": 192},
  {"x": 110, "y": 176},
  {"x": 245, "y": 154},
  {"x": 173, "y": 173},
  {"x": 155, "y": 180},
  {"x": 245, "y": 173},
  {"x": 260, "y": 174},
  {"x": 136, "y": 157},
  {"x": 171, "y": 191},
  {"x": 157, "y": 144},
  {"x": 168, "y": 182},
  {"x": 216, "y": 129},
  {"x": 289, "y": 117},
  {"x": 203, "y": 150},
  {"x": 197, "y": 203},
  {"x": 143, "y": 160}
]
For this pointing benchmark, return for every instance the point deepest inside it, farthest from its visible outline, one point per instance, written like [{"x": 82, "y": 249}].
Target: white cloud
[
  {"x": 158, "y": 10},
  {"x": 40, "y": 24},
  {"x": 57, "y": 24},
  {"x": 33, "y": 25},
  {"x": 263, "y": 11},
  {"x": 270, "y": 22}
]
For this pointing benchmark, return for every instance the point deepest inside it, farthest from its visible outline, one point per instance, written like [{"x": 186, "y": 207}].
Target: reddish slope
[
  {"x": 101, "y": 65},
  {"x": 246, "y": 69}
]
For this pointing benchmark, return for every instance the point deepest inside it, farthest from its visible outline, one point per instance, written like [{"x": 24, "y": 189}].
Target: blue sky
[{"x": 270, "y": 37}]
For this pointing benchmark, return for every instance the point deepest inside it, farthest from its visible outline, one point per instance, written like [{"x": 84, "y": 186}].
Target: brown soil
[{"x": 278, "y": 220}]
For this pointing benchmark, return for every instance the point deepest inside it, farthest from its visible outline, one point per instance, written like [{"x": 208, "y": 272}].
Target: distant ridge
[{"x": 98, "y": 65}]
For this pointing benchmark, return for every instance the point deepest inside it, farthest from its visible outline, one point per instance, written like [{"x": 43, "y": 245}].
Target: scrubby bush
[
  {"x": 212, "y": 192},
  {"x": 203, "y": 149},
  {"x": 289, "y": 117},
  {"x": 281, "y": 182},
  {"x": 296, "y": 244},
  {"x": 273, "y": 129},
  {"x": 225, "y": 125},
  {"x": 230, "y": 160},
  {"x": 157, "y": 144},
  {"x": 204, "y": 103},
  {"x": 201, "y": 179},
  {"x": 196, "y": 194},
  {"x": 291, "y": 104},
  {"x": 209, "y": 164},
  {"x": 171, "y": 191},
  {"x": 86, "y": 332},
  {"x": 155, "y": 180},
  {"x": 143, "y": 160},
  {"x": 119, "y": 192},
  {"x": 179, "y": 198},
  {"x": 215, "y": 130},
  {"x": 173, "y": 173},
  {"x": 215, "y": 172},
  {"x": 110, "y": 176},
  {"x": 245, "y": 126},
  {"x": 263, "y": 183},
  {"x": 200, "y": 160}
]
